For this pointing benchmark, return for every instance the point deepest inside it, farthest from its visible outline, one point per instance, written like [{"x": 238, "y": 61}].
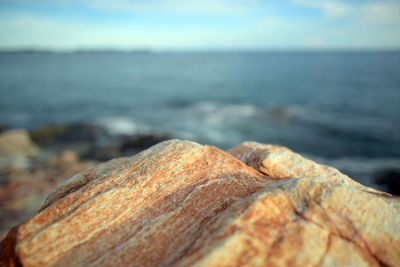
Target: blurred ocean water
[{"x": 337, "y": 107}]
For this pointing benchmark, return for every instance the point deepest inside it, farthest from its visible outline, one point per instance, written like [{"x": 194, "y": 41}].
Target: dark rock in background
[{"x": 91, "y": 141}]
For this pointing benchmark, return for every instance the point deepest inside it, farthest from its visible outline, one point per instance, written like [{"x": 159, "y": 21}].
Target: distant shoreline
[
  {"x": 145, "y": 51},
  {"x": 33, "y": 51}
]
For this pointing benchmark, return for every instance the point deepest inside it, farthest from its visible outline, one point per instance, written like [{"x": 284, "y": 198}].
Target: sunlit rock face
[{"x": 180, "y": 203}]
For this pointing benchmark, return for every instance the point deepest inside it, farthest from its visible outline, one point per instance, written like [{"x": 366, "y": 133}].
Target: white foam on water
[
  {"x": 216, "y": 122},
  {"x": 239, "y": 109},
  {"x": 215, "y": 113},
  {"x": 123, "y": 126}
]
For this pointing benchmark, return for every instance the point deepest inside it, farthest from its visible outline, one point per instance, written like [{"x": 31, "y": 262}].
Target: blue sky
[{"x": 200, "y": 25}]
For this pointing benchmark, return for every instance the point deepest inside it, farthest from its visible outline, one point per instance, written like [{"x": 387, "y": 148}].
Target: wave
[
  {"x": 223, "y": 124},
  {"x": 123, "y": 126},
  {"x": 222, "y": 110}
]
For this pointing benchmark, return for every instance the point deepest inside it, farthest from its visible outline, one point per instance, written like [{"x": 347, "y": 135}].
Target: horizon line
[{"x": 196, "y": 50}]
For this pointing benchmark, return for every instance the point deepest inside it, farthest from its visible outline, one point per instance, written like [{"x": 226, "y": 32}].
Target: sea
[{"x": 339, "y": 108}]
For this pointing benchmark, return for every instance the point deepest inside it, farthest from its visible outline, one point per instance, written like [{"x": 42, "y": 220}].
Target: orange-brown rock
[
  {"x": 24, "y": 192},
  {"x": 183, "y": 204}
]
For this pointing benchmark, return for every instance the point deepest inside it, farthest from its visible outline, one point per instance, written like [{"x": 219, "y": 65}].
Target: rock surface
[
  {"x": 28, "y": 174},
  {"x": 281, "y": 162},
  {"x": 180, "y": 203}
]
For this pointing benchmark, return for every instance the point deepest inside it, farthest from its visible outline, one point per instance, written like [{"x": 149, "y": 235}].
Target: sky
[{"x": 199, "y": 25}]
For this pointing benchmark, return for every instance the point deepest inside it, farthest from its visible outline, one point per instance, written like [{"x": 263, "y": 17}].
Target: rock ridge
[{"x": 182, "y": 204}]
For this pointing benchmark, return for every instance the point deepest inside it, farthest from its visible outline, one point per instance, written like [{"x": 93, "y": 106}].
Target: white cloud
[
  {"x": 381, "y": 12},
  {"x": 328, "y": 7},
  {"x": 384, "y": 11}
]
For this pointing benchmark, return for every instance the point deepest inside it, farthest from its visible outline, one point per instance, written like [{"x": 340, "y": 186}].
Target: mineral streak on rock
[{"x": 180, "y": 203}]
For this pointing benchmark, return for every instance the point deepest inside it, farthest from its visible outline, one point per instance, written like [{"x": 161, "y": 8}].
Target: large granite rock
[{"x": 180, "y": 203}]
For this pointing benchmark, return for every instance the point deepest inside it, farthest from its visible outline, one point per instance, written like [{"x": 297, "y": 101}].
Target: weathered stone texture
[
  {"x": 281, "y": 162},
  {"x": 183, "y": 204}
]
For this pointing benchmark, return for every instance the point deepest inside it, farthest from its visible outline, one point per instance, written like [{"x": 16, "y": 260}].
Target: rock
[
  {"x": 78, "y": 137},
  {"x": 16, "y": 150},
  {"x": 180, "y": 203},
  {"x": 281, "y": 162},
  {"x": 302, "y": 222},
  {"x": 4, "y": 127},
  {"x": 17, "y": 142},
  {"x": 48, "y": 134},
  {"x": 66, "y": 159},
  {"x": 23, "y": 193},
  {"x": 93, "y": 142}
]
